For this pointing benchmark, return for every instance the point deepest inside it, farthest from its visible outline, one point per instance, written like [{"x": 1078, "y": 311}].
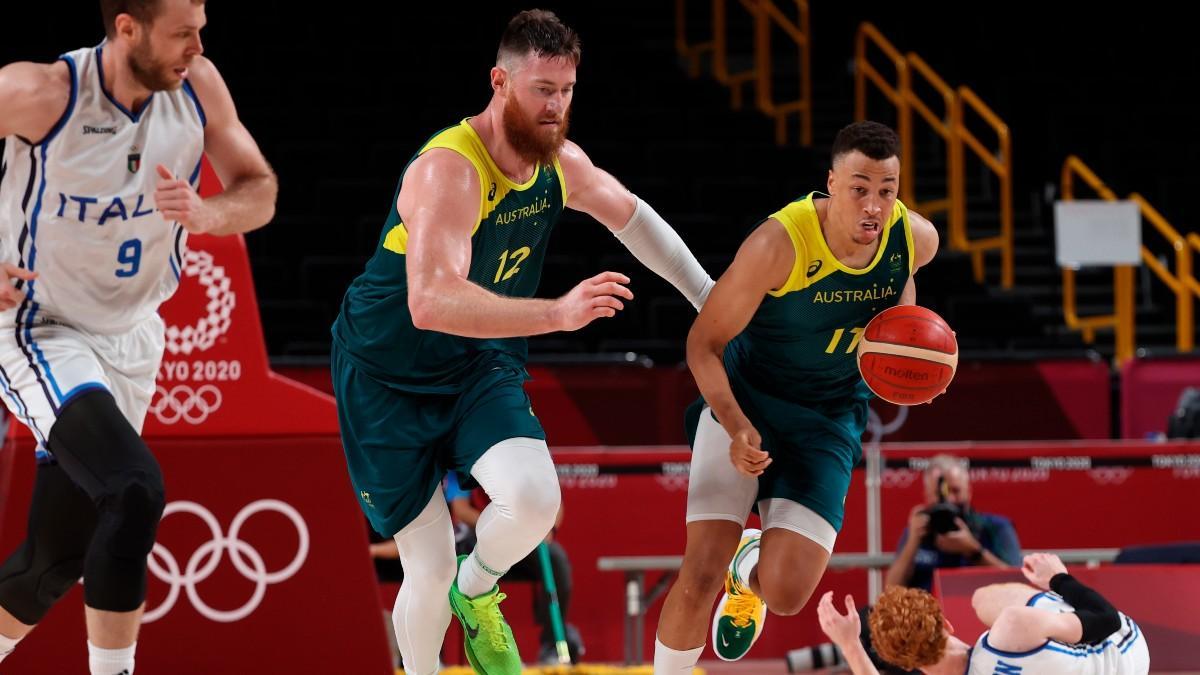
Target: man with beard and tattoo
[
  {"x": 94, "y": 218},
  {"x": 429, "y": 350}
]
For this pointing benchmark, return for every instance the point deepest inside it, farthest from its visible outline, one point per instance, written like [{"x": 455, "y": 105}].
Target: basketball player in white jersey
[
  {"x": 1061, "y": 627},
  {"x": 97, "y": 197}
]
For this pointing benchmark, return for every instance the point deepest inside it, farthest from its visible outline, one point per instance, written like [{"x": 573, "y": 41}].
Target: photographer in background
[{"x": 946, "y": 532}]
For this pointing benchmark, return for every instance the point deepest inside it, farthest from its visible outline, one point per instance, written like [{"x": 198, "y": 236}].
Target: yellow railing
[
  {"x": 896, "y": 94},
  {"x": 1000, "y": 162},
  {"x": 1182, "y": 283},
  {"x": 951, "y": 128},
  {"x": 765, "y": 15}
]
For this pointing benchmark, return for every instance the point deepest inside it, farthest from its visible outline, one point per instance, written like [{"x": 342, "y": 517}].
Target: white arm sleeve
[{"x": 657, "y": 246}]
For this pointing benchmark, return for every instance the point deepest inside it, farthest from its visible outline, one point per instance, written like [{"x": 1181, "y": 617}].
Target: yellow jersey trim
[
  {"x": 562, "y": 182},
  {"x": 912, "y": 249},
  {"x": 803, "y": 226},
  {"x": 796, "y": 278},
  {"x": 464, "y": 140},
  {"x": 396, "y": 240}
]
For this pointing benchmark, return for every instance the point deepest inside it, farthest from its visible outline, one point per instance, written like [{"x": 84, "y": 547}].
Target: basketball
[{"x": 907, "y": 355}]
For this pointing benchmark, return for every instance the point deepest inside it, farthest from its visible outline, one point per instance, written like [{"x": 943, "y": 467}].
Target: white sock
[
  {"x": 7, "y": 644},
  {"x": 476, "y": 577},
  {"x": 520, "y": 479},
  {"x": 667, "y": 660},
  {"x": 110, "y": 661},
  {"x": 746, "y": 565}
]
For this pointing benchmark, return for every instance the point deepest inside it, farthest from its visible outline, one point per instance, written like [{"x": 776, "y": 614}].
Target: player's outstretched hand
[
  {"x": 842, "y": 629},
  {"x": 747, "y": 454},
  {"x": 1040, "y": 568},
  {"x": 178, "y": 202},
  {"x": 10, "y": 296},
  {"x": 592, "y": 299}
]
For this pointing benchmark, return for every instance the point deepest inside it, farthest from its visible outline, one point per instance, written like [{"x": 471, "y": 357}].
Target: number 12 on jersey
[
  {"x": 856, "y": 335},
  {"x": 515, "y": 257}
]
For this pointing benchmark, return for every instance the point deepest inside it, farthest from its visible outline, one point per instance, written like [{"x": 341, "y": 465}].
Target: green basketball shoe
[
  {"x": 488, "y": 640},
  {"x": 740, "y": 615}
]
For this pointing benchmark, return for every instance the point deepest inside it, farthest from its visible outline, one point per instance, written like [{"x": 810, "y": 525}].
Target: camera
[
  {"x": 815, "y": 657},
  {"x": 943, "y": 515}
]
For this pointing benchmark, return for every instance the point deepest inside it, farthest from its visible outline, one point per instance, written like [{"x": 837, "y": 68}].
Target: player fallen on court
[
  {"x": 98, "y": 196},
  {"x": 429, "y": 348},
  {"x": 783, "y": 404},
  {"x": 1056, "y": 626}
]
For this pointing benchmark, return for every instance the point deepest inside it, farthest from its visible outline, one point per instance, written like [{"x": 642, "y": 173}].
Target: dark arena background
[{"x": 717, "y": 113}]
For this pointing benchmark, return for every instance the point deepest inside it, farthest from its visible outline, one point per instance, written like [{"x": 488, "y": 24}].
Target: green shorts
[
  {"x": 813, "y": 448},
  {"x": 400, "y": 444}
]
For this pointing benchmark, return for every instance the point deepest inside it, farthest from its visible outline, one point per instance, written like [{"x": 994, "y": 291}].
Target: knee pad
[
  {"x": 115, "y": 569},
  {"x": 129, "y": 515},
  {"x": 62, "y": 520},
  {"x": 31, "y": 581},
  {"x": 535, "y": 497}
]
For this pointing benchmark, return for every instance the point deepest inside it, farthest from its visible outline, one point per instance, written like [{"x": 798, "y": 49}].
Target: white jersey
[
  {"x": 78, "y": 206},
  {"x": 1122, "y": 653}
]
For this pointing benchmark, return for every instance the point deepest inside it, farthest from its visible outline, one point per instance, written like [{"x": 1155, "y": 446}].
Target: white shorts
[
  {"x": 716, "y": 491},
  {"x": 44, "y": 366}
]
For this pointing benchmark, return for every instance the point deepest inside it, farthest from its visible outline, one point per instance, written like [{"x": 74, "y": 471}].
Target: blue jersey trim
[
  {"x": 80, "y": 390},
  {"x": 23, "y": 411},
  {"x": 196, "y": 172},
  {"x": 135, "y": 118},
  {"x": 1001, "y": 652},
  {"x": 1033, "y": 601},
  {"x": 178, "y": 249},
  {"x": 62, "y": 121},
  {"x": 32, "y": 304},
  {"x": 1137, "y": 632},
  {"x": 187, "y": 86}
]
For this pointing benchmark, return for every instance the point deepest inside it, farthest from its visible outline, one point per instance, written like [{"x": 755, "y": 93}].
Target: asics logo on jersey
[
  {"x": 124, "y": 209},
  {"x": 88, "y": 130},
  {"x": 814, "y": 268}
]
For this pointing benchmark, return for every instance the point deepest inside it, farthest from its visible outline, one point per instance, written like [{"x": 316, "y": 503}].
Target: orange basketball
[{"x": 907, "y": 355}]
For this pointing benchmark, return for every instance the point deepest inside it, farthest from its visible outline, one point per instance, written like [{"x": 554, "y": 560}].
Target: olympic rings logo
[
  {"x": 181, "y": 402},
  {"x": 246, "y": 560}
]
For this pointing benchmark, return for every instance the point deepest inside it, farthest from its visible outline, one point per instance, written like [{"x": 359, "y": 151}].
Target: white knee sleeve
[
  {"x": 795, "y": 517},
  {"x": 520, "y": 479},
  {"x": 421, "y": 613},
  {"x": 716, "y": 491}
]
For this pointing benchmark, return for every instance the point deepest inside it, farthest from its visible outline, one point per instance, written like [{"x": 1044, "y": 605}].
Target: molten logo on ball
[
  {"x": 905, "y": 374},
  {"x": 907, "y": 355}
]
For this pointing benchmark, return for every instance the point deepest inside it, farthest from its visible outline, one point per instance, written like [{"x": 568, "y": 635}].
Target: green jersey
[
  {"x": 800, "y": 344},
  {"x": 508, "y": 244}
]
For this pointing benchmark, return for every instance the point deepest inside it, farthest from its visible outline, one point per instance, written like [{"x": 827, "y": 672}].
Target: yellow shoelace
[
  {"x": 743, "y": 608},
  {"x": 487, "y": 611}
]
